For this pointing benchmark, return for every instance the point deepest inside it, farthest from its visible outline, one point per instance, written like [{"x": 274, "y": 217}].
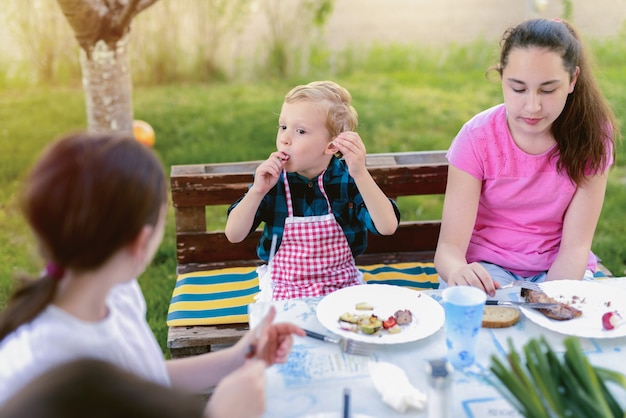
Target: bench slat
[
  {"x": 190, "y": 219},
  {"x": 363, "y": 259},
  {"x": 181, "y": 340},
  {"x": 203, "y": 185},
  {"x": 214, "y": 247}
]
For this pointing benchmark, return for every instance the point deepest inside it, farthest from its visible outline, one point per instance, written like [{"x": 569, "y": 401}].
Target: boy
[{"x": 318, "y": 206}]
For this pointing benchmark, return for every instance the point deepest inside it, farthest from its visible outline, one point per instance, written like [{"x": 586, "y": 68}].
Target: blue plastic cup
[{"x": 464, "y": 307}]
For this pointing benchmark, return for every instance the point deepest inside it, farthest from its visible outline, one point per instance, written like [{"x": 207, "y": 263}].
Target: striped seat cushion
[
  {"x": 419, "y": 276},
  {"x": 213, "y": 297},
  {"x": 222, "y": 296}
]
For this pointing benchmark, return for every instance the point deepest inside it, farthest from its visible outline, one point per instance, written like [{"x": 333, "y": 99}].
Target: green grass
[{"x": 406, "y": 100}]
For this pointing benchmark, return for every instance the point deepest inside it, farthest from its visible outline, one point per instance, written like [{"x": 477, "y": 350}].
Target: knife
[{"x": 535, "y": 305}]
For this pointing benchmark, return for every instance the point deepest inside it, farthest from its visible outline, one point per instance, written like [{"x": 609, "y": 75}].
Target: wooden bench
[{"x": 194, "y": 187}]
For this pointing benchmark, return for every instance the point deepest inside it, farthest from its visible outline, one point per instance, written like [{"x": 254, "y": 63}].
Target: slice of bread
[{"x": 500, "y": 316}]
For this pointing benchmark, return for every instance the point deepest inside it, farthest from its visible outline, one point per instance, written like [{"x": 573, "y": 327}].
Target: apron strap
[
  {"x": 287, "y": 195},
  {"x": 320, "y": 183}
]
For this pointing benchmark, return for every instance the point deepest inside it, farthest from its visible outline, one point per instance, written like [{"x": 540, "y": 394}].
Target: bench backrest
[{"x": 194, "y": 187}]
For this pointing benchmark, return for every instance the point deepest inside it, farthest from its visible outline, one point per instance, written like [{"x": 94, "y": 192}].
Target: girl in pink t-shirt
[{"x": 527, "y": 178}]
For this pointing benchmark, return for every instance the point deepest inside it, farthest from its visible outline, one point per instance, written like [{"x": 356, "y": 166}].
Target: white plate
[
  {"x": 428, "y": 314},
  {"x": 593, "y": 298}
]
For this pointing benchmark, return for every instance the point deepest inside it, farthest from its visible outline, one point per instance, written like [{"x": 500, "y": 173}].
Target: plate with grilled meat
[{"x": 581, "y": 305}]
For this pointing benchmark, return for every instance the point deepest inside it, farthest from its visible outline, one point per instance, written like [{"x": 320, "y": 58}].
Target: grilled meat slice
[{"x": 560, "y": 312}]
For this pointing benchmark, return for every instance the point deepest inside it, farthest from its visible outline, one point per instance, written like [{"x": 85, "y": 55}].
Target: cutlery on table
[
  {"x": 346, "y": 403},
  {"x": 347, "y": 345},
  {"x": 523, "y": 284},
  {"x": 535, "y": 305}
]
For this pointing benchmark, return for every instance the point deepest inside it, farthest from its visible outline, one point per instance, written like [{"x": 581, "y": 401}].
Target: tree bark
[
  {"x": 102, "y": 29},
  {"x": 108, "y": 86}
]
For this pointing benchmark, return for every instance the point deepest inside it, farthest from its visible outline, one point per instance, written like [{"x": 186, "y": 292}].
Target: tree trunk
[
  {"x": 108, "y": 86},
  {"x": 102, "y": 29}
]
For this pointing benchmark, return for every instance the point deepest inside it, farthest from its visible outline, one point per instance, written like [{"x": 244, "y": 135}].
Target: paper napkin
[{"x": 394, "y": 386}]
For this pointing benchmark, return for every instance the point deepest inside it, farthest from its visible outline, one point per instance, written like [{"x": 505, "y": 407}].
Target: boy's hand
[
  {"x": 267, "y": 173},
  {"x": 351, "y": 146}
]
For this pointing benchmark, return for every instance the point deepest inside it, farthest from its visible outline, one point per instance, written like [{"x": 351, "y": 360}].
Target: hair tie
[
  {"x": 54, "y": 270},
  {"x": 558, "y": 20}
]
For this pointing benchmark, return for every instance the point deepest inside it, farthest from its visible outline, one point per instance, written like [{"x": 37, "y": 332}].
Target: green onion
[
  {"x": 546, "y": 385},
  {"x": 520, "y": 385},
  {"x": 586, "y": 375},
  {"x": 546, "y": 378}
]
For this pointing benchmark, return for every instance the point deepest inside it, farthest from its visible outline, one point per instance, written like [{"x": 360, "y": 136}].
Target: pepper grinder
[{"x": 439, "y": 388}]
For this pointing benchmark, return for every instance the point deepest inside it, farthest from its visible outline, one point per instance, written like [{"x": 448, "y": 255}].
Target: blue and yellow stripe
[
  {"x": 418, "y": 276},
  {"x": 213, "y": 297},
  {"x": 222, "y": 296}
]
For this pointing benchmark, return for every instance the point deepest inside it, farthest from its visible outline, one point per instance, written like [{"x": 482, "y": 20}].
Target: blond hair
[{"x": 340, "y": 115}]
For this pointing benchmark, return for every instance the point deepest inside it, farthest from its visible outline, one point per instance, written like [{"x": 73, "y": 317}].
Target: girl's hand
[
  {"x": 272, "y": 342},
  {"x": 474, "y": 274},
  {"x": 267, "y": 173},
  {"x": 351, "y": 146},
  {"x": 241, "y": 394}
]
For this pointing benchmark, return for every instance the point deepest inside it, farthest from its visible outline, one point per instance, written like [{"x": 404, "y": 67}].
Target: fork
[
  {"x": 523, "y": 284},
  {"x": 347, "y": 345}
]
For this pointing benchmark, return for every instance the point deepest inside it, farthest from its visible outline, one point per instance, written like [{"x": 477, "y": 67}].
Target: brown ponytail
[
  {"x": 86, "y": 197},
  {"x": 30, "y": 298}
]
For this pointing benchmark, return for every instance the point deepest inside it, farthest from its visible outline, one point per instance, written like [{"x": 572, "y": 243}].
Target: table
[{"x": 313, "y": 379}]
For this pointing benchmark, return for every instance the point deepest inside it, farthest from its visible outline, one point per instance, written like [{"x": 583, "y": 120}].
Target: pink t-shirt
[{"x": 523, "y": 201}]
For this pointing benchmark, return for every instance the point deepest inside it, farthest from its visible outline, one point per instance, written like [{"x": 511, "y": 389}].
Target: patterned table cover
[{"x": 313, "y": 379}]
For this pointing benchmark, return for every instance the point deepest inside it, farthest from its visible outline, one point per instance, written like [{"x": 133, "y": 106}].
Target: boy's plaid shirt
[{"x": 345, "y": 199}]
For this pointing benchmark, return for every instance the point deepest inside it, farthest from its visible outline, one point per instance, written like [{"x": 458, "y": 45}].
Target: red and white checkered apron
[{"x": 314, "y": 257}]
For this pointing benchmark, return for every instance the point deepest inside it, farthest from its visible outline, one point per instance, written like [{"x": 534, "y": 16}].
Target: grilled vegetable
[
  {"x": 389, "y": 323},
  {"x": 348, "y": 317},
  {"x": 370, "y": 325},
  {"x": 347, "y": 326},
  {"x": 395, "y": 329}
]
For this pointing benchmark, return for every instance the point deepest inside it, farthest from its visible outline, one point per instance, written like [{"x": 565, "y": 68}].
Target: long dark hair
[
  {"x": 586, "y": 126},
  {"x": 86, "y": 197}
]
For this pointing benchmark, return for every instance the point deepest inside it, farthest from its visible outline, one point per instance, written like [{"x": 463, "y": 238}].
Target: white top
[{"x": 54, "y": 336}]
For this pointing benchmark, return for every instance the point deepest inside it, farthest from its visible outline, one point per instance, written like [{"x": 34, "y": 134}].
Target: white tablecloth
[{"x": 313, "y": 379}]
